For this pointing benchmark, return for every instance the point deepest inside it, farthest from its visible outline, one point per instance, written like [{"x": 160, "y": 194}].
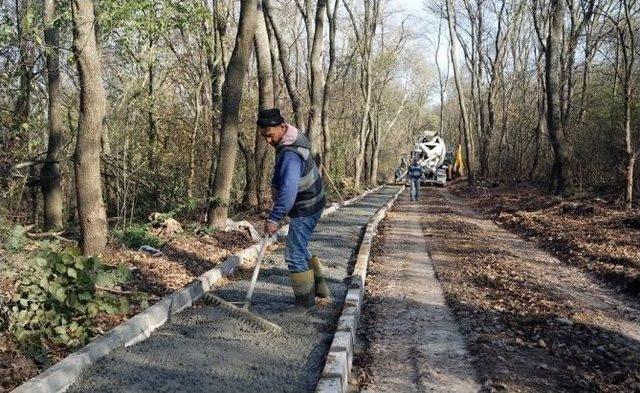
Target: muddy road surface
[
  {"x": 204, "y": 350},
  {"x": 529, "y": 321},
  {"x": 414, "y": 342}
]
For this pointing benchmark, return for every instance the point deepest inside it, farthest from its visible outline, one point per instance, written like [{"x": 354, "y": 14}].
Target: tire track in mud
[{"x": 202, "y": 349}]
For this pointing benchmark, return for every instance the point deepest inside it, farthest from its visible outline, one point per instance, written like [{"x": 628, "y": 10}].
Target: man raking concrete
[{"x": 298, "y": 192}]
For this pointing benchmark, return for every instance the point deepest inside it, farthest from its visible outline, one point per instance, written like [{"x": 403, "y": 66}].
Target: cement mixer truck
[{"x": 431, "y": 152}]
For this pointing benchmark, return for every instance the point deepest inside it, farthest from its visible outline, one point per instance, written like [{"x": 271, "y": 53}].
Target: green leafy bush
[
  {"x": 55, "y": 301},
  {"x": 14, "y": 238},
  {"x": 135, "y": 236}
]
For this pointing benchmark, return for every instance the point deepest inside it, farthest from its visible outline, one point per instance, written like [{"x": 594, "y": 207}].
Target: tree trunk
[
  {"x": 194, "y": 138},
  {"x": 442, "y": 82},
  {"x": 629, "y": 171},
  {"x": 365, "y": 45},
  {"x": 91, "y": 210},
  {"x": 265, "y": 101},
  {"x": 152, "y": 130},
  {"x": 375, "y": 153},
  {"x": 276, "y": 70},
  {"x": 332, "y": 18},
  {"x": 216, "y": 61},
  {"x": 466, "y": 129},
  {"x": 363, "y": 133},
  {"x": 368, "y": 149},
  {"x": 250, "y": 197},
  {"x": 554, "y": 121},
  {"x": 50, "y": 180},
  {"x": 476, "y": 60},
  {"x": 539, "y": 131},
  {"x": 540, "y": 123},
  {"x": 232, "y": 96},
  {"x": 317, "y": 84}
]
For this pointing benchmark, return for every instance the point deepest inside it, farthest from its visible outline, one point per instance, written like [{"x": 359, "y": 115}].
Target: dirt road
[
  {"x": 415, "y": 345},
  {"x": 530, "y": 322},
  {"x": 203, "y": 350}
]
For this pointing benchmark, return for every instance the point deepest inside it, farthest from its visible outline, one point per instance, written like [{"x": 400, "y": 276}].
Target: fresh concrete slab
[{"x": 202, "y": 349}]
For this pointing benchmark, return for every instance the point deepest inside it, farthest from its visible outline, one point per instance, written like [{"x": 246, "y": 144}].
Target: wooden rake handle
[{"x": 256, "y": 271}]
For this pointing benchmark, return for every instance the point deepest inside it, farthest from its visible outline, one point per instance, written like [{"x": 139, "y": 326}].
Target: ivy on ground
[{"x": 57, "y": 298}]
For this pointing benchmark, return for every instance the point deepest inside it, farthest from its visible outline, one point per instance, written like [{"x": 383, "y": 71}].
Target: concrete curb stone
[
  {"x": 61, "y": 375},
  {"x": 337, "y": 369}
]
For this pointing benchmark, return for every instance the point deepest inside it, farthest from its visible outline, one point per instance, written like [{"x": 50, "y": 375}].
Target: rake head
[{"x": 242, "y": 314}]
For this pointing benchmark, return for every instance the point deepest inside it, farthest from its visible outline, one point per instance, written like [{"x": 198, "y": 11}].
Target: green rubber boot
[
  {"x": 303, "y": 288},
  {"x": 322, "y": 289}
]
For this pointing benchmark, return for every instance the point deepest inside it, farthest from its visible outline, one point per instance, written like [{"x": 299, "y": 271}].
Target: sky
[
  {"x": 427, "y": 28},
  {"x": 416, "y": 9}
]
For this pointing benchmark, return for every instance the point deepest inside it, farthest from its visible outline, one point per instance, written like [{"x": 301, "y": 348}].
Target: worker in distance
[{"x": 415, "y": 174}]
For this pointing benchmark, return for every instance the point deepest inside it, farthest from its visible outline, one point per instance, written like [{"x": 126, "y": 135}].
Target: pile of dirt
[{"x": 589, "y": 233}]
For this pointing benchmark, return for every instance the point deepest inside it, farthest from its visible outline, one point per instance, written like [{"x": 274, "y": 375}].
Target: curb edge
[{"x": 337, "y": 368}]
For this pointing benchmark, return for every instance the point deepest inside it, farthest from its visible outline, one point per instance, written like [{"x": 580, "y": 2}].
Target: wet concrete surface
[{"x": 202, "y": 349}]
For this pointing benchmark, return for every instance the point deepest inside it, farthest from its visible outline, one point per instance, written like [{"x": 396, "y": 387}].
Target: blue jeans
[
  {"x": 415, "y": 189},
  {"x": 296, "y": 253}
]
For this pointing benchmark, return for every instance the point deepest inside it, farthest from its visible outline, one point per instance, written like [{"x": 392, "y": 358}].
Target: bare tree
[
  {"x": 287, "y": 71},
  {"x": 266, "y": 99},
  {"x": 466, "y": 127},
  {"x": 197, "y": 109},
  {"x": 314, "y": 129},
  {"x": 559, "y": 44},
  {"x": 232, "y": 95},
  {"x": 625, "y": 29},
  {"x": 216, "y": 65},
  {"x": 553, "y": 51},
  {"x": 50, "y": 180},
  {"x": 496, "y": 66},
  {"x": 332, "y": 18},
  {"x": 364, "y": 39},
  {"x": 91, "y": 209},
  {"x": 540, "y": 124},
  {"x": 442, "y": 81},
  {"x": 475, "y": 61}
]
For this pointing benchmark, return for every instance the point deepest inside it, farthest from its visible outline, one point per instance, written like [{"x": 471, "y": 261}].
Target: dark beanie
[{"x": 270, "y": 117}]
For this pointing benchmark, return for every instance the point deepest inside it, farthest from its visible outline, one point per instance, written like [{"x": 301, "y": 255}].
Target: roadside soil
[
  {"x": 534, "y": 322},
  {"x": 592, "y": 233},
  {"x": 185, "y": 257}
]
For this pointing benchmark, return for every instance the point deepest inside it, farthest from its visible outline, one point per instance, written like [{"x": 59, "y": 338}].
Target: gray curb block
[
  {"x": 337, "y": 369},
  {"x": 63, "y": 374}
]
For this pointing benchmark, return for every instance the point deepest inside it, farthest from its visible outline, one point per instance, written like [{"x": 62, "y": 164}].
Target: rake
[{"x": 243, "y": 312}]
